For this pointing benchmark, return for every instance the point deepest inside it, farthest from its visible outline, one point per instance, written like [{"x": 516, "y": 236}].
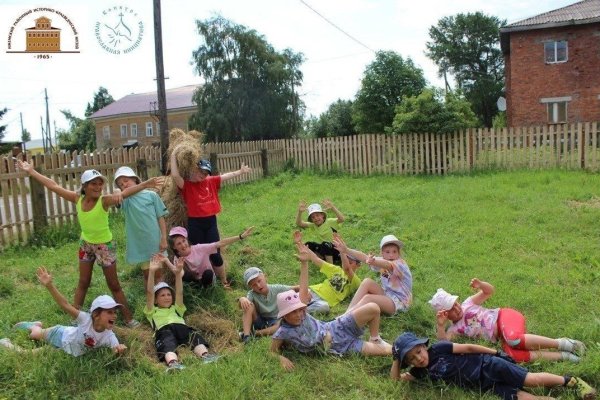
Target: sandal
[{"x": 227, "y": 285}]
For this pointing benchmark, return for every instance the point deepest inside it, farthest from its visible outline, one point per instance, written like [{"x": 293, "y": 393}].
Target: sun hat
[
  {"x": 178, "y": 230},
  {"x": 442, "y": 300},
  {"x": 125, "y": 171},
  {"x": 390, "y": 239},
  {"x": 90, "y": 175},
  {"x": 205, "y": 165},
  {"x": 162, "y": 285},
  {"x": 405, "y": 343},
  {"x": 251, "y": 273},
  {"x": 314, "y": 208},
  {"x": 287, "y": 302},
  {"x": 104, "y": 302}
]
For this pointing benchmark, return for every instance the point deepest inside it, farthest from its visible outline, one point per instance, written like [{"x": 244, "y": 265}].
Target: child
[
  {"x": 96, "y": 238},
  {"x": 259, "y": 306},
  {"x": 474, "y": 367},
  {"x": 306, "y": 333},
  {"x": 197, "y": 264},
  {"x": 166, "y": 317},
  {"x": 340, "y": 282},
  {"x": 145, "y": 225},
  {"x": 93, "y": 330},
  {"x": 505, "y": 324},
  {"x": 200, "y": 193},
  {"x": 320, "y": 229},
  {"x": 395, "y": 292}
]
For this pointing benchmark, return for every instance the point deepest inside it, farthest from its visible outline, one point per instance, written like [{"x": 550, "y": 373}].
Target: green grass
[{"x": 533, "y": 234}]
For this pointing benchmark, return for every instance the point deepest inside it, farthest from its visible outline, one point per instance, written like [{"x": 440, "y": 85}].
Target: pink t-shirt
[
  {"x": 197, "y": 261},
  {"x": 477, "y": 321}
]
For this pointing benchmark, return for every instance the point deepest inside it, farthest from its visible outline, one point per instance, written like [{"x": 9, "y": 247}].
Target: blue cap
[
  {"x": 405, "y": 343},
  {"x": 205, "y": 165}
]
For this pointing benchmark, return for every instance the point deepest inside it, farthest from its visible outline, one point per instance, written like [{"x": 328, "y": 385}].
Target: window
[
  {"x": 106, "y": 132},
  {"x": 133, "y": 130},
  {"x": 555, "y": 52},
  {"x": 123, "y": 130},
  {"x": 149, "y": 129},
  {"x": 557, "y": 109}
]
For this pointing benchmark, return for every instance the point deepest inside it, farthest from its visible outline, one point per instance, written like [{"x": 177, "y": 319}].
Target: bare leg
[
  {"x": 535, "y": 342},
  {"x": 545, "y": 355},
  {"x": 170, "y": 356},
  {"x": 543, "y": 379},
  {"x": 86, "y": 269},
  {"x": 385, "y": 303},
  {"x": 200, "y": 350},
  {"x": 522, "y": 395},
  {"x": 220, "y": 271},
  {"x": 367, "y": 286},
  {"x": 368, "y": 314},
  {"x": 247, "y": 318},
  {"x": 267, "y": 331},
  {"x": 112, "y": 280}
]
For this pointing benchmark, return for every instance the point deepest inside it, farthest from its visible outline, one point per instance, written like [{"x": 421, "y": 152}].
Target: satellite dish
[{"x": 501, "y": 103}]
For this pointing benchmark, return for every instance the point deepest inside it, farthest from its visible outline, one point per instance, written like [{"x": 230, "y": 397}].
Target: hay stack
[{"x": 219, "y": 332}]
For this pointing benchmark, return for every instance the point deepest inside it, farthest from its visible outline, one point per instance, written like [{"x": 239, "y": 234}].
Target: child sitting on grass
[
  {"x": 93, "y": 330},
  {"x": 340, "y": 282},
  {"x": 165, "y": 314},
  {"x": 474, "y": 367},
  {"x": 472, "y": 320},
  {"x": 320, "y": 229},
  {"x": 395, "y": 292},
  {"x": 303, "y": 332},
  {"x": 259, "y": 306}
]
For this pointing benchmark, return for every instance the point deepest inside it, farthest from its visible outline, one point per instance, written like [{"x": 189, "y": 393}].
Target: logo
[
  {"x": 119, "y": 30},
  {"x": 44, "y": 31}
]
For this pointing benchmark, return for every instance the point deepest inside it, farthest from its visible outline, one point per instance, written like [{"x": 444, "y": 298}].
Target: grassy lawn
[{"x": 533, "y": 234}]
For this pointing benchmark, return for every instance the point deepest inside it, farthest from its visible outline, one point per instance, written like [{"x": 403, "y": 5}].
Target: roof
[
  {"x": 582, "y": 12},
  {"x": 177, "y": 98}
]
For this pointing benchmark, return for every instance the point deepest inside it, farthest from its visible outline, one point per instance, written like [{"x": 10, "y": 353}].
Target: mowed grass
[{"x": 533, "y": 234}]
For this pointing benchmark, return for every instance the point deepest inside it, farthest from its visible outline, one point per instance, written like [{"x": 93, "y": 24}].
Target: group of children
[{"x": 284, "y": 311}]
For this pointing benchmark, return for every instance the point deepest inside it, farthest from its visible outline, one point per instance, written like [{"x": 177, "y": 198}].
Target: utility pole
[
  {"x": 48, "y": 131},
  {"x": 22, "y": 132},
  {"x": 160, "y": 86},
  {"x": 43, "y": 134}
]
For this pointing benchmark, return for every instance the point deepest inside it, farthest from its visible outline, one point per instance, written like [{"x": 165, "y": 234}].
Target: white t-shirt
[{"x": 77, "y": 340}]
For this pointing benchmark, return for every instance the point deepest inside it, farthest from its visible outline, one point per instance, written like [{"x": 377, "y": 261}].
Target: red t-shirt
[{"x": 202, "y": 198}]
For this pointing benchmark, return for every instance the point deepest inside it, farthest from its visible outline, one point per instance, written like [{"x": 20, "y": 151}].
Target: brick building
[
  {"x": 42, "y": 37},
  {"x": 132, "y": 119},
  {"x": 552, "y": 66}
]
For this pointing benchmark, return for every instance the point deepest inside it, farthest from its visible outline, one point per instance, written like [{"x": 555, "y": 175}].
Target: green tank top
[{"x": 94, "y": 223}]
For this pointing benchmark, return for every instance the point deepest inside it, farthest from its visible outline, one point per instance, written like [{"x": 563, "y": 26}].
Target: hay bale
[{"x": 220, "y": 333}]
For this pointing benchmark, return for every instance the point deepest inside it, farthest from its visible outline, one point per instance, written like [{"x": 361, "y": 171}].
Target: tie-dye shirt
[{"x": 397, "y": 284}]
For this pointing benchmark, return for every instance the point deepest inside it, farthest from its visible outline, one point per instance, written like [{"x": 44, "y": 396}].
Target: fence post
[
  {"x": 142, "y": 168},
  {"x": 38, "y": 203},
  {"x": 213, "y": 163},
  {"x": 264, "y": 157}
]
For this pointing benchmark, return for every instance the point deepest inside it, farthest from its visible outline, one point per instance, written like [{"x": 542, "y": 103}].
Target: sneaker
[
  {"x": 566, "y": 356},
  {"x": 26, "y": 325},
  {"x": 584, "y": 391},
  {"x": 7, "y": 343},
  {"x": 571, "y": 345},
  {"x": 134, "y": 323},
  {"x": 209, "y": 358},
  {"x": 245, "y": 338},
  {"x": 175, "y": 366}
]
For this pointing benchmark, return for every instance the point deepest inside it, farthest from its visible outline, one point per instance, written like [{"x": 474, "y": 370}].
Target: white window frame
[
  {"x": 133, "y": 129},
  {"x": 554, "y": 44},
  {"x": 123, "y": 130},
  {"x": 149, "y": 131},
  {"x": 106, "y": 131},
  {"x": 553, "y": 105}
]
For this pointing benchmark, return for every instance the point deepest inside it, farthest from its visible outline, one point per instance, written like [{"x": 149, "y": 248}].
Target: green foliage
[
  {"x": 2, "y": 127},
  {"x": 429, "y": 113},
  {"x": 336, "y": 121},
  {"x": 499, "y": 120},
  {"x": 387, "y": 81},
  {"x": 25, "y": 136},
  {"x": 101, "y": 99},
  {"x": 250, "y": 89},
  {"x": 468, "y": 47}
]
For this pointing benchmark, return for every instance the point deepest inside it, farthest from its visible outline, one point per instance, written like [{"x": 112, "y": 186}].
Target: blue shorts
[
  {"x": 54, "y": 335},
  {"x": 263, "y": 322},
  {"x": 502, "y": 377},
  {"x": 345, "y": 335}
]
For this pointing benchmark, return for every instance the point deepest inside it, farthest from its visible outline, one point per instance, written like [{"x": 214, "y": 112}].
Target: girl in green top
[{"x": 95, "y": 244}]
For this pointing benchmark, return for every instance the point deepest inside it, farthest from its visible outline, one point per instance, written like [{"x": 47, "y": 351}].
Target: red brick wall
[{"x": 529, "y": 78}]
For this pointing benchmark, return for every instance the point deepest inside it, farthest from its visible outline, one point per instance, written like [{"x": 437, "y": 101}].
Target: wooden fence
[{"x": 562, "y": 146}]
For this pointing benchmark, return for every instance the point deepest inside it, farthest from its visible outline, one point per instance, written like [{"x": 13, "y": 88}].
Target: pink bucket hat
[
  {"x": 442, "y": 300},
  {"x": 287, "y": 302},
  {"x": 178, "y": 230}
]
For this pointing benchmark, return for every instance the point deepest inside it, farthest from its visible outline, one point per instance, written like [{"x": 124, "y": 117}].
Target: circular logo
[{"x": 119, "y": 30}]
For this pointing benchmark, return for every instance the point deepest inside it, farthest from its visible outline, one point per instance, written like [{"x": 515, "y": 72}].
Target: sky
[{"x": 335, "y": 59}]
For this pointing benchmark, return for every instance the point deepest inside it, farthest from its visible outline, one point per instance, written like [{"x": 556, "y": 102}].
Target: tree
[
  {"x": 101, "y": 99},
  {"x": 336, "y": 121},
  {"x": 386, "y": 82},
  {"x": 2, "y": 127},
  {"x": 430, "y": 112},
  {"x": 468, "y": 47},
  {"x": 25, "y": 135},
  {"x": 249, "y": 89}
]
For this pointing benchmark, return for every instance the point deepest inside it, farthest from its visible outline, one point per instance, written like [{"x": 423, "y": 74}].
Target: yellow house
[
  {"x": 42, "y": 37},
  {"x": 132, "y": 119}
]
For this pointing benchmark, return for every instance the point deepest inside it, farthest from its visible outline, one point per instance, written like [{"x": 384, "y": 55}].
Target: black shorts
[
  {"x": 325, "y": 249},
  {"x": 171, "y": 336},
  {"x": 205, "y": 230}
]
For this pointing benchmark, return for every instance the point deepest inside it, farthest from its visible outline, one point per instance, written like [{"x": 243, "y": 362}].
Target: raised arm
[
  {"x": 485, "y": 291},
  {"x": 162, "y": 225},
  {"x": 224, "y": 242},
  {"x": 115, "y": 199},
  {"x": 344, "y": 257},
  {"x": 244, "y": 169},
  {"x": 341, "y": 246},
  {"x": 177, "y": 178},
  {"x": 311, "y": 255},
  {"x": 299, "y": 221},
  {"x": 46, "y": 279},
  {"x": 49, "y": 183},
  {"x": 460, "y": 348},
  {"x": 396, "y": 375},
  {"x": 303, "y": 257},
  {"x": 328, "y": 204},
  {"x": 155, "y": 264},
  {"x": 441, "y": 320},
  {"x": 179, "y": 281}
]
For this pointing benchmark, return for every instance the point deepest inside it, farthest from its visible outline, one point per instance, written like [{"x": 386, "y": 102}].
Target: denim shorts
[
  {"x": 54, "y": 335},
  {"x": 345, "y": 335},
  {"x": 263, "y": 322}
]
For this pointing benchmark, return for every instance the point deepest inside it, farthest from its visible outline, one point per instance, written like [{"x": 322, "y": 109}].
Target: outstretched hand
[
  {"x": 441, "y": 317},
  {"x": 44, "y": 276},
  {"x": 156, "y": 262},
  {"x": 327, "y": 204},
  {"x": 155, "y": 183},
  {"x": 297, "y": 237},
  {"x": 303, "y": 252},
  {"x": 339, "y": 244},
  {"x": 246, "y": 233},
  {"x": 475, "y": 283},
  {"x": 302, "y": 206},
  {"x": 178, "y": 267},
  {"x": 245, "y": 169},
  {"x": 119, "y": 349},
  {"x": 24, "y": 165}
]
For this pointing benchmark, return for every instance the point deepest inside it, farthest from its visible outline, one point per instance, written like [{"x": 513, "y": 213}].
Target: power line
[{"x": 337, "y": 27}]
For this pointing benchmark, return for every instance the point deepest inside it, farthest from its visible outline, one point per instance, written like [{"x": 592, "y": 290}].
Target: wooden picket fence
[{"x": 573, "y": 146}]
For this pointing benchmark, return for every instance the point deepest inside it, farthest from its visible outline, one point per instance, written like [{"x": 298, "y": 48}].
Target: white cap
[
  {"x": 90, "y": 175},
  {"x": 161, "y": 285},
  {"x": 104, "y": 302},
  {"x": 442, "y": 300},
  {"x": 313, "y": 208},
  {"x": 125, "y": 171},
  {"x": 390, "y": 239}
]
